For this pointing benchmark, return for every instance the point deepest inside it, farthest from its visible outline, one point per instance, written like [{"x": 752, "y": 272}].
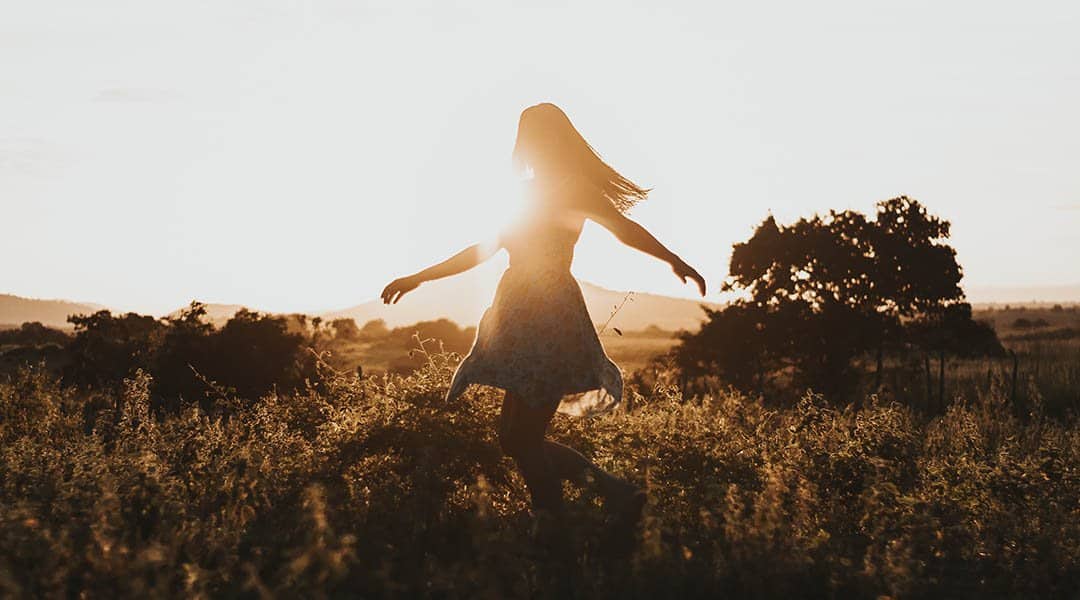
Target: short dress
[{"x": 536, "y": 340}]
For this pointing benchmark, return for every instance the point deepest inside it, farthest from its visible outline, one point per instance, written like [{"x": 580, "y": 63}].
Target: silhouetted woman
[{"x": 537, "y": 341}]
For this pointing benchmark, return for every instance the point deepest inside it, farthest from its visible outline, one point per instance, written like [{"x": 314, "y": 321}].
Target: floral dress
[{"x": 536, "y": 340}]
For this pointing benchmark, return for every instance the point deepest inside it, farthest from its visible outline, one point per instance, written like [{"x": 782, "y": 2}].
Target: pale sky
[{"x": 295, "y": 156}]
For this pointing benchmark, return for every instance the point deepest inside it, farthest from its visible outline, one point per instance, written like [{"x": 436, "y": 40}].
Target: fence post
[
  {"x": 929, "y": 382},
  {"x": 941, "y": 380},
  {"x": 1015, "y": 370}
]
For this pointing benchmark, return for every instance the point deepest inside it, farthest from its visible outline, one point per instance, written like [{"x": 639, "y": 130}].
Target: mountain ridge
[
  {"x": 465, "y": 305},
  {"x": 463, "y": 299},
  {"x": 15, "y": 310}
]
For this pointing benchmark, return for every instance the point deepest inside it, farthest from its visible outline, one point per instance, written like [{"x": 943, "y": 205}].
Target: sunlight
[{"x": 499, "y": 209}]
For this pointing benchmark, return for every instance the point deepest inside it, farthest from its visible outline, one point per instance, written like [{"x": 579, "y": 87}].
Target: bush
[{"x": 187, "y": 358}]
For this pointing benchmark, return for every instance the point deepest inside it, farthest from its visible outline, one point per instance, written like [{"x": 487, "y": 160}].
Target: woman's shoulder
[
  {"x": 568, "y": 188},
  {"x": 581, "y": 194}
]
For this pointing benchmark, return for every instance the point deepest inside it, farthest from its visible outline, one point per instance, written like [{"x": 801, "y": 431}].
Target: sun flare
[{"x": 500, "y": 210}]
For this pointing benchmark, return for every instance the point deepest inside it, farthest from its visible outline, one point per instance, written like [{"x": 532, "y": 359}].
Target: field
[
  {"x": 631, "y": 350},
  {"x": 634, "y": 350},
  {"x": 375, "y": 487}
]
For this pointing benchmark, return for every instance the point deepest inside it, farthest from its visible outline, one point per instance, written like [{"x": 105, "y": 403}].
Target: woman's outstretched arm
[
  {"x": 458, "y": 263},
  {"x": 632, "y": 234}
]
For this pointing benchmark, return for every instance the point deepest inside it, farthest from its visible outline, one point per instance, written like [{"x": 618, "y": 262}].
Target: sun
[{"x": 497, "y": 207}]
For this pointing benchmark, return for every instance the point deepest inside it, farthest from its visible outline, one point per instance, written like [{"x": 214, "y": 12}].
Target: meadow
[
  {"x": 392, "y": 350},
  {"x": 375, "y": 487}
]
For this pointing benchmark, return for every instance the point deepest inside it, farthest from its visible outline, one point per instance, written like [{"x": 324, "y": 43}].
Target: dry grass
[{"x": 376, "y": 488}]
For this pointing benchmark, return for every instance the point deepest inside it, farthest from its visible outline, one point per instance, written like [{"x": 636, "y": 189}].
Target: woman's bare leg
[
  {"x": 570, "y": 465},
  {"x": 545, "y": 464},
  {"x": 521, "y": 435}
]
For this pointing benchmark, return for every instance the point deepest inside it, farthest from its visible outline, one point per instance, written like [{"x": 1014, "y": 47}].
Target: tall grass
[{"x": 378, "y": 488}]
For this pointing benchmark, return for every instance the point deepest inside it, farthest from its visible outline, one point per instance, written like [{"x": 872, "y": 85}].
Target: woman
[{"x": 536, "y": 341}]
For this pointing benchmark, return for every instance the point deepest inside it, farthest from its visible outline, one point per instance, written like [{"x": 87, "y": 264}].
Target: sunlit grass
[{"x": 377, "y": 487}]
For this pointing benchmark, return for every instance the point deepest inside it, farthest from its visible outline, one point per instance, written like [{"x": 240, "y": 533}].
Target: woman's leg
[
  {"x": 545, "y": 464},
  {"x": 521, "y": 435},
  {"x": 570, "y": 465}
]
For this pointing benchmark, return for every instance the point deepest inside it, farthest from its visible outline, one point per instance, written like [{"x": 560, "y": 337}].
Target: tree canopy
[{"x": 825, "y": 290}]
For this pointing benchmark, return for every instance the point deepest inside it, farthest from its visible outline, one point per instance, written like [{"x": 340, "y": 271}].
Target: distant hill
[
  {"x": 463, "y": 300},
  {"x": 15, "y": 310},
  {"x": 644, "y": 310}
]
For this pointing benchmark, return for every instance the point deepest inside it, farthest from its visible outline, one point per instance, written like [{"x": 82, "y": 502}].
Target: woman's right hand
[
  {"x": 684, "y": 271},
  {"x": 398, "y": 288}
]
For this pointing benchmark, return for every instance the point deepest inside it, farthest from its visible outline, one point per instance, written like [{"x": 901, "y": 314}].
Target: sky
[{"x": 296, "y": 156}]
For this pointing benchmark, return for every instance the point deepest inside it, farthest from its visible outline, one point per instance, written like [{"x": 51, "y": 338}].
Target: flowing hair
[{"x": 546, "y": 135}]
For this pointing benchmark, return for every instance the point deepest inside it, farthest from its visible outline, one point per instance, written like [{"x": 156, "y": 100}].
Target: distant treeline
[
  {"x": 32, "y": 334},
  {"x": 841, "y": 304},
  {"x": 191, "y": 360}
]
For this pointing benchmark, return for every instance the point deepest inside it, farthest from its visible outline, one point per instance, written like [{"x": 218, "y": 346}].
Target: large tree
[{"x": 825, "y": 290}]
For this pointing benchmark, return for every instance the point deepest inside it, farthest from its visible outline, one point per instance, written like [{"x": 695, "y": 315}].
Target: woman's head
[{"x": 547, "y": 142}]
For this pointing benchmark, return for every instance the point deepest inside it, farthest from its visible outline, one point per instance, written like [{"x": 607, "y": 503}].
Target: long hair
[{"x": 546, "y": 135}]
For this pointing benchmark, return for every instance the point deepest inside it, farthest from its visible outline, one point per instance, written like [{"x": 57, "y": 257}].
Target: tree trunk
[{"x": 941, "y": 380}]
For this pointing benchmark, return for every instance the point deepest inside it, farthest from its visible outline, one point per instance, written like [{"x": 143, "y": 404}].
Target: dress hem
[{"x": 589, "y": 401}]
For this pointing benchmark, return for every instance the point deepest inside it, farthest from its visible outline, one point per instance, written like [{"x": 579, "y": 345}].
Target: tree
[
  {"x": 826, "y": 290},
  {"x": 374, "y": 329},
  {"x": 107, "y": 349},
  {"x": 254, "y": 353},
  {"x": 745, "y": 365},
  {"x": 345, "y": 329},
  {"x": 915, "y": 272},
  {"x": 812, "y": 281},
  {"x": 185, "y": 350},
  {"x": 33, "y": 334}
]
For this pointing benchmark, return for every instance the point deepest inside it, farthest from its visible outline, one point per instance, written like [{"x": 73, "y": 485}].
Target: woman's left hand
[
  {"x": 684, "y": 271},
  {"x": 398, "y": 288}
]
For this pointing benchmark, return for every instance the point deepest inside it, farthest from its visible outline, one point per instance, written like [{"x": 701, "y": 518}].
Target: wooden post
[
  {"x": 941, "y": 380},
  {"x": 1015, "y": 371},
  {"x": 929, "y": 382}
]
